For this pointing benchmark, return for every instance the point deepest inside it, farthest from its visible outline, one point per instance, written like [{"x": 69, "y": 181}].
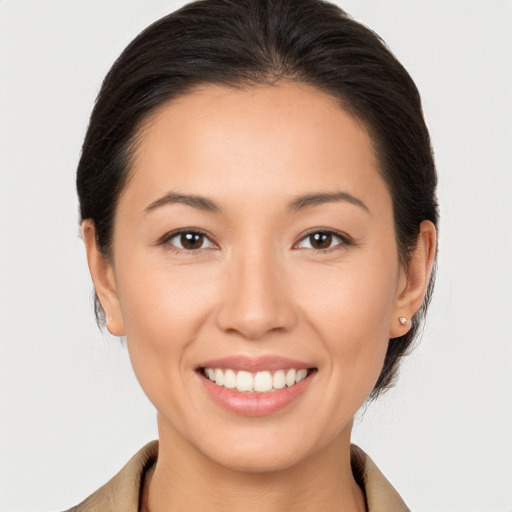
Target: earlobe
[
  {"x": 102, "y": 273},
  {"x": 414, "y": 280}
]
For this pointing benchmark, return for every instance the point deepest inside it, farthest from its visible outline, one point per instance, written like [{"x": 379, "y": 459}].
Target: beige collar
[
  {"x": 123, "y": 492},
  {"x": 381, "y": 496}
]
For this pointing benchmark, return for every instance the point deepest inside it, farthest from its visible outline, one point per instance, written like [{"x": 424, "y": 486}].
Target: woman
[{"x": 257, "y": 196}]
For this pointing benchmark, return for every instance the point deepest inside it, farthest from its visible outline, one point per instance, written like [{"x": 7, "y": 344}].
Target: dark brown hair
[{"x": 242, "y": 43}]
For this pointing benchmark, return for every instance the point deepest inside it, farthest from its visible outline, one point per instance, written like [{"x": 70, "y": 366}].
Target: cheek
[
  {"x": 156, "y": 296},
  {"x": 356, "y": 297},
  {"x": 163, "y": 310},
  {"x": 351, "y": 308}
]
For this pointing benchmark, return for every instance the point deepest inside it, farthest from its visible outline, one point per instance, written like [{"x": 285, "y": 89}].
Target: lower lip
[{"x": 255, "y": 404}]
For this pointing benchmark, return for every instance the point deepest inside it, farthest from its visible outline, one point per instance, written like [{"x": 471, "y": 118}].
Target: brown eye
[
  {"x": 322, "y": 240},
  {"x": 189, "y": 241}
]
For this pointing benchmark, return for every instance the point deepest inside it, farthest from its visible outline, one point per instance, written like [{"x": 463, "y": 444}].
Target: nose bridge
[{"x": 256, "y": 299}]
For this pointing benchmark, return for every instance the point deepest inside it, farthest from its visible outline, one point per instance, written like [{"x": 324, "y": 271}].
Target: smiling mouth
[{"x": 256, "y": 382}]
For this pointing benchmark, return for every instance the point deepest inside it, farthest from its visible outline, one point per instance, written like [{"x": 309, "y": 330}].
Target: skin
[{"x": 256, "y": 287}]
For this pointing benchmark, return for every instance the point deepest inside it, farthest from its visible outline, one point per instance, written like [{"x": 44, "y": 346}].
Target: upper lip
[{"x": 255, "y": 364}]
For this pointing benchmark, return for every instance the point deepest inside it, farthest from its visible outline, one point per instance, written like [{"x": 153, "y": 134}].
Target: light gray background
[{"x": 71, "y": 411}]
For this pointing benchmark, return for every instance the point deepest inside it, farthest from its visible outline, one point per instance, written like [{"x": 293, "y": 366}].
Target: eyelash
[{"x": 344, "y": 240}]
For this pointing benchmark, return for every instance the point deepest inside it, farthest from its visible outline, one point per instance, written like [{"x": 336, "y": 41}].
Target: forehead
[{"x": 266, "y": 140}]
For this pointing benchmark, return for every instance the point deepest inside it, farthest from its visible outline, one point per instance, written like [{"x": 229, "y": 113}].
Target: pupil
[
  {"x": 321, "y": 240},
  {"x": 192, "y": 240}
]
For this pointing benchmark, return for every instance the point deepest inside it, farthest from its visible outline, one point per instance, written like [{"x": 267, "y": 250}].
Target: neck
[{"x": 184, "y": 479}]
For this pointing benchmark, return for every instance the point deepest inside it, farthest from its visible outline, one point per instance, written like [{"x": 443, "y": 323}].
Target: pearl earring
[{"x": 402, "y": 320}]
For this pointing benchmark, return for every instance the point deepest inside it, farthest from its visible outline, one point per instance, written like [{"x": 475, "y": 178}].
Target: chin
[
  {"x": 259, "y": 458},
  {"x": 265, "y": 449}
]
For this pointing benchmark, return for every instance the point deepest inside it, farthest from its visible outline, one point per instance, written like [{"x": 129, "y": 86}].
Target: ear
[
  {"x": 103, "y": 276},
  {"x": 414, "y": 279}
]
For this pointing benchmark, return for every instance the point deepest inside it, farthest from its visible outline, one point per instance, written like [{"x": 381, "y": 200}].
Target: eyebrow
[
  {"x": 300, "y": 203},
  {"x": 310, "y": 200},
  {"x": 199, "y": 202}
]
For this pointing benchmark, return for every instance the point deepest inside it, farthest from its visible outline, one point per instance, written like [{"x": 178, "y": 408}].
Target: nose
[{"x": 257, "y": 298}]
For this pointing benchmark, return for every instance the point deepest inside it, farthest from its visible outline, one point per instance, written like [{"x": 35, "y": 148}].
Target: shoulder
[{"x": 122, "y": 492}]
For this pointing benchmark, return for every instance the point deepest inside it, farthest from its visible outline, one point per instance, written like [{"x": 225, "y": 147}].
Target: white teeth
[
  {"x": 301, "y": 375},
  {"x": 230, "y": 379},
  {"x": 244, "y": 381},
  {"x": 262, "y": 382},
  {"x": 290, "y": 377},
  {"x": 219, "y": 377},
  {"x": 259, "y": 382},
  {"x": 278, "y": 381}
]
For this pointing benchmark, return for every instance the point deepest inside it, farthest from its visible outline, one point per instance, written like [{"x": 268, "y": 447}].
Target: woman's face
[{"x": 254, "y": 237}]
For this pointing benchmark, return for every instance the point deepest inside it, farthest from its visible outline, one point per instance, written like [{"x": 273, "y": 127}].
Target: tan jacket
[{"x": 123, "y": 492}]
